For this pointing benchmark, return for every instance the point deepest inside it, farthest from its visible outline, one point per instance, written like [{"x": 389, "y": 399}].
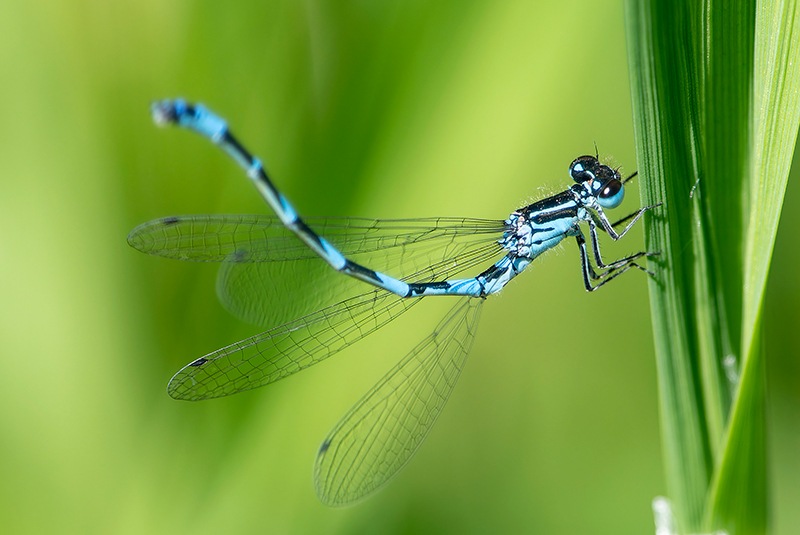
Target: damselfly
[{"x": 391, "y": 264}]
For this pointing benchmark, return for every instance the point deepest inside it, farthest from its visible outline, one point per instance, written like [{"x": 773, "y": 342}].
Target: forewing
[{"x": 261, "y": 238}]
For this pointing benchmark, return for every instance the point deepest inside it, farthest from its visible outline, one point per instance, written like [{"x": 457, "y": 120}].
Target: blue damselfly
[{"x": 391, "y": 264}]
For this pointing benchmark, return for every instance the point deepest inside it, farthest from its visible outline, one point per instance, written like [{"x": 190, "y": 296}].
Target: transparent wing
[
  {"x": 261, "y": 238},
  {"x": 286, "y": 349},
  {"x": 382, "y": 432}
]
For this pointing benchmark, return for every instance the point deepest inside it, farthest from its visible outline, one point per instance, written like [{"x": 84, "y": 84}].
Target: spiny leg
[
  {"x": 626, "y": 218},
  {"x": 634, "y": 217},
  {"x": 617, "y": 263},
  {"x": 618, "y": 222},
  {"x": 611, "y": 273}
]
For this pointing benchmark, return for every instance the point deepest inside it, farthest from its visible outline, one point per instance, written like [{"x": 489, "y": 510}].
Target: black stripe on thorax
[{"x": 559, "y": 206}]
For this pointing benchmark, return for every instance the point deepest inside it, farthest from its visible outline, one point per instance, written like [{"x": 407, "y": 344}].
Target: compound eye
[
  {"x": 583, "y": 168},
  {"x": 612, "y": 194}
]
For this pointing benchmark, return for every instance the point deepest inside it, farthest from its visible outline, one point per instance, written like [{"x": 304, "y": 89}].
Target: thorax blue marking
[{"x": 532, "y": 230}]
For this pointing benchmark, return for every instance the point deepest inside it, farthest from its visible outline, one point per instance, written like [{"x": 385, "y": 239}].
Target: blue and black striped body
[{"x": 530, "y": 231}]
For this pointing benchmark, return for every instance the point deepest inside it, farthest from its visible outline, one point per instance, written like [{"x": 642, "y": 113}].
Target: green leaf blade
[{"x": 716, "y": 112}]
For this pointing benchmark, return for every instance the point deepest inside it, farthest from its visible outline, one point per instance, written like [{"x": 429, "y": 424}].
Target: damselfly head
[{"x": 600, "y": 180}]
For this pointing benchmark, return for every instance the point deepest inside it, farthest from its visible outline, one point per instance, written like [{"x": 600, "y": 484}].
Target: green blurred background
[{"x": 377, "y": 109}]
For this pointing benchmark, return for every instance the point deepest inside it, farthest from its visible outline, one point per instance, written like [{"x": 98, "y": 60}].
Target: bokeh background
[{"x": 376, "y": 109}]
